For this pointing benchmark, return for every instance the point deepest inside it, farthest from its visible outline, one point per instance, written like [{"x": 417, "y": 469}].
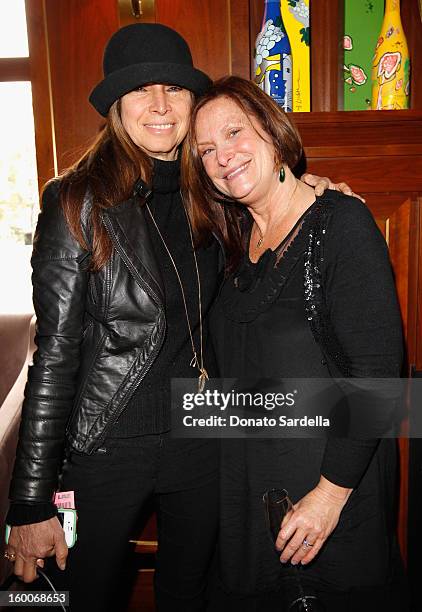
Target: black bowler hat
[{"x": 143, "y": 53}]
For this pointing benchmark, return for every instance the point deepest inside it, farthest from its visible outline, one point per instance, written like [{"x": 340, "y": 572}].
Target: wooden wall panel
[
  {"x": 418, "y": 360},
  {"x": 327, "y": 19},
  {"x": 41, "y": 92},
  {"x": 14, "y": 69},
  {"x": 217, "y": 32},
  {"x": 360, "y": 128},
  {"x": 393, "y": 213},
  {"x": 396, "y": 173},
  {"x": 375, "y": 152},
  {"x": 400, "y": 237},
  {"x": 206, "y": 27},
  {"x": 241, "y": 53},
  {"x": 414, "y": 329},
  {"x": 412, "y": 25},
  {"x": 77, "y": 33}
]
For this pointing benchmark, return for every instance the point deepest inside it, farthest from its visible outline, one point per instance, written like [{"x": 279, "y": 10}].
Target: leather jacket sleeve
[{"x": 59, "y": 280}]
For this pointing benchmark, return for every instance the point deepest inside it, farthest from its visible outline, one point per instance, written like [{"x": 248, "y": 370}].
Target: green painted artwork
[{"x": 362, "y": 23}]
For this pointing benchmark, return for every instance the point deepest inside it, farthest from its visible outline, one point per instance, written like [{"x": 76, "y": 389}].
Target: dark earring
[{"x": 282, "y": 175}]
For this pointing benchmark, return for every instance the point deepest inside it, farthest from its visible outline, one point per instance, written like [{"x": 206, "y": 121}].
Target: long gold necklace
[
  {"x": 195, "y": 362},
  {"x": 261, "y": 235}
]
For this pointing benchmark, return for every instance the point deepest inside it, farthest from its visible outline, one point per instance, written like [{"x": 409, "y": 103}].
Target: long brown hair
[
  {"x": 210, "y": 210},
  {"x": 108, "y": 169}
]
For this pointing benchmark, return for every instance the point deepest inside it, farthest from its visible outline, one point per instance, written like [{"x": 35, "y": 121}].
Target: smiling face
[
  {"x": 156, "y": 117},
  {"x": 237, "y": 155}
]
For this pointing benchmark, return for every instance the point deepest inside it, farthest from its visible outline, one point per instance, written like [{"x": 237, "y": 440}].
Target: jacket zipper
[
  {"x": 109, "y": 271},
  {"x": 130, "y": 266},
  {"x": 147, "y": 367},
  {"x": 155, "y": 351},
  {"x": 81, "y": 391}
]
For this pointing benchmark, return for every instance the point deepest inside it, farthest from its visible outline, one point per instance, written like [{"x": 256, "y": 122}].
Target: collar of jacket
[{"x": 126, "y": 225}]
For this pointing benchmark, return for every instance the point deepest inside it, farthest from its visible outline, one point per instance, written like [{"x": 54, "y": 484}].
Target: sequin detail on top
[
  {"x": 315, "y": 303},
  {"x": 254, "y": 287}
]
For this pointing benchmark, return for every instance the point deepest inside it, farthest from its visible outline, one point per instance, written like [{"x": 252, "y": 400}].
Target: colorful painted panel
[
  {"x": 295, "y": 14},
  {"x": 273, "y": 57},
  {"x": 362, "y": 24},
  {"x": 391, "y": 64}
]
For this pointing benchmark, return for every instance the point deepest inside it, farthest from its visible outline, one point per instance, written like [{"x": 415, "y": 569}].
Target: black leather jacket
[{"x": 97, "y": 336}]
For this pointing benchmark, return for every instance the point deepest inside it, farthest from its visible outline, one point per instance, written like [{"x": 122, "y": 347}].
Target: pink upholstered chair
[{"x": 17, "y": 347}]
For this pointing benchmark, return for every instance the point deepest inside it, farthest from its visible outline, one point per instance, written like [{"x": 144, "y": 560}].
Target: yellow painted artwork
[
  {"x": 391, "y": 64},
  {"x": 295, "y": 15}
]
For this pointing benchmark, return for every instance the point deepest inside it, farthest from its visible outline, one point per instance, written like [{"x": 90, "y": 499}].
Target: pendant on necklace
[
  {"x": 260, "y": 241},
  {"x": 203, "y": 377},
  {"x": 203, "y": 374}
]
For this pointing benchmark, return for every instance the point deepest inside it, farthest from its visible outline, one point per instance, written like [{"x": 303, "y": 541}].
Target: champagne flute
[{"x": 277, "y": 505}]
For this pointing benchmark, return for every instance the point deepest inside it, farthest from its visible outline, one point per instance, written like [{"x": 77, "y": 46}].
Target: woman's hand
[
  {"x": 322, "y": 183},
  {"x": 312, "y": 520},
  {"x": 30, "y": 544}
]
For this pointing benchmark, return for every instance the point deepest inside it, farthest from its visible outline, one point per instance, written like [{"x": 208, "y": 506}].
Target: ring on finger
[
  {"x": 10, "y": 556},
  {"x": 306, "y": 544}
]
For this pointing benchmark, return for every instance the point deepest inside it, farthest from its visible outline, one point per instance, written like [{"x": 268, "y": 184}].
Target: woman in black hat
[{"x": 121, "y": 296}]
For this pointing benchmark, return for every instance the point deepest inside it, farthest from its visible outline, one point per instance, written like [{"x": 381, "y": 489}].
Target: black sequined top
[{"x": 326, "y": 307}]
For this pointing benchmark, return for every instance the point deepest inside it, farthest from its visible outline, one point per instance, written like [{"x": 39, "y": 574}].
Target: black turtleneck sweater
[{"x": 149, "y": 408}]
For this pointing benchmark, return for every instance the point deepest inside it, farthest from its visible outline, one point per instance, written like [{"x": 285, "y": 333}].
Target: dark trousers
[
  {"x": 111, "y": 489},
  {"x": 388, "y": 599},
  {"x": 392, "y": 597}
]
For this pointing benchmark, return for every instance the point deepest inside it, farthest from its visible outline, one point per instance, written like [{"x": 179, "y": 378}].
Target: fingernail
[
  {"x": 62, "y": 566},
  {"x": 283, "y": 561},
  {"x": 293, "y": 562}
]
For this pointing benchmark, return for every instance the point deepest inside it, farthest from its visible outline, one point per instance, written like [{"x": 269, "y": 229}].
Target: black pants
[
  {"x": 392, "y": 597},
  {"x": 389, "y": 599},
  {"x": 111, "y": 488}
]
